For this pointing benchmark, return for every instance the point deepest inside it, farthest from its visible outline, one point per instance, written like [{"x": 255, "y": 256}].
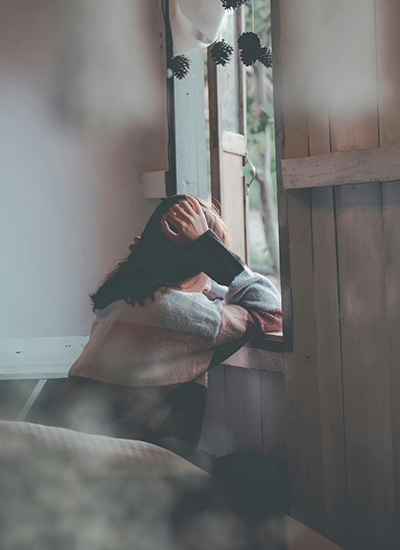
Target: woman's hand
[{"x": 189, "y": 220}]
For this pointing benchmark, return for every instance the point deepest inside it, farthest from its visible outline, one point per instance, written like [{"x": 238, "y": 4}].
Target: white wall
[{"x": 82, "y": 114}]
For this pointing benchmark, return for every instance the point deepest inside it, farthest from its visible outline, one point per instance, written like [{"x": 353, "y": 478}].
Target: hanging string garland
[
  {"x": 221, "y": 52},
  {"x": 232, "y": 4},
  {"x": 252, "y": 50},
  {"x": 180, "y": 65}
]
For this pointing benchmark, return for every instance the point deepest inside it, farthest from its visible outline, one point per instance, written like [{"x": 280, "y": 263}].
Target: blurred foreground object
[{"x": 64, "y": 489}]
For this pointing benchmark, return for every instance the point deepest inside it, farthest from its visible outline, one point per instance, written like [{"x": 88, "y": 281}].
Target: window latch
[{"x": 253, "y": 171}]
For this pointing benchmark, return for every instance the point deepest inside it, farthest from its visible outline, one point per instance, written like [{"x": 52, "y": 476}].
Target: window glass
[
  {"x": 229, "y": 89},
  {"x": 263, "y": 242}
]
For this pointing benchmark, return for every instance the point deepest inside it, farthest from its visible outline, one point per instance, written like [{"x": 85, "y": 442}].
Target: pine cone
[
  {"x": 265, "y": 56},
  {"x": 249, "y": 40},
  {"x": 250, "y": 46},
  {"x": 180, "y": 65},
  {"x": 248, "y": 59},
  {"x": 221, "y": 53},
  {"x": 232, "y": 4}
]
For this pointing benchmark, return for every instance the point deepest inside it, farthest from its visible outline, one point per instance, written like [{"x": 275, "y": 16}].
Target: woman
[{"x": 178, "y": 305}]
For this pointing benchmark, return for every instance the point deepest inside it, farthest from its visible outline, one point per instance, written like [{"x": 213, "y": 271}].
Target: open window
[
  {"x": 242, "y": 146},
  {"x": 223, "y": 122}
]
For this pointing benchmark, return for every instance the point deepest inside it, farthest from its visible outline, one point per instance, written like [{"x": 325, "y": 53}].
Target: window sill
[
  {"x": 272, "y": 341},
  {"x": 264, "y": 353}
]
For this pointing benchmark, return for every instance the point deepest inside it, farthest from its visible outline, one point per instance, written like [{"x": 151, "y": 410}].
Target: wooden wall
[
  {"x": 245, "y": 412},
  {"x": 337, "y": 88}
]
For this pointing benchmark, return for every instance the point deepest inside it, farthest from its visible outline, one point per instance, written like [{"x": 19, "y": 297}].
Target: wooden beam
[{"x": 378, "y": 164}]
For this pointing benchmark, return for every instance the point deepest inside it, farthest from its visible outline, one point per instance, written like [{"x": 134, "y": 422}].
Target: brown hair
[{"x": 156, "y": 262}]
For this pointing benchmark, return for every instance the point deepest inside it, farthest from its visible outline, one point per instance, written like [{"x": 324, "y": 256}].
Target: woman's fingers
[
  {"x": 186, "y": 206},
  {"x": 188, "y": 220},
  {"x": 194, "y": 202},
  {"x": 179, "y": 211},
  {"x": 175, "y": 220}
]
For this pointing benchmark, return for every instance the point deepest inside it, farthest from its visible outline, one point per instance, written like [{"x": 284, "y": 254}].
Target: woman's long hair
[{"x": 156, "y": 262}]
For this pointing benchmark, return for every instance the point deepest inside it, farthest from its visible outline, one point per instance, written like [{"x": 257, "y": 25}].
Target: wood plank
[
  {"x": 243, "y": 410},
  {"x": 326, "y": 297},
  {"x": 340, "y": 168},
  {"x": 353, "y": 91},
  {"x": 391, "y": 227},
  {"x": 288, "y": 57},
  {"x": 291, "y": 124},
  {"x": 388, "y": 42},
  {"x": 316, "y": 55},
  {"x": 301, "y": 373},
  {"x": 213, "y": 436},
  {"x": 366, "y": 367},
  {"x": 273, "y": 416},
  {"x": 388, "y": 46},
  {"x": 329, "y": 362},
  {"x": 318, "y": 129}
]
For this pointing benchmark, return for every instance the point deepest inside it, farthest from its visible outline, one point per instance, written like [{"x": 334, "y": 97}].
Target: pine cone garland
[
  {"x": 250, "y": 46},
  {"x": 221, "y": 53},
  {"x": 265, "y": 56},
  {"x": 180, "y": 65},
  {"x": 232, "y": 4}
]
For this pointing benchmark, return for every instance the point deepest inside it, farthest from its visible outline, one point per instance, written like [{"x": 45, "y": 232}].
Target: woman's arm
[{"x": 251, "y": 303}]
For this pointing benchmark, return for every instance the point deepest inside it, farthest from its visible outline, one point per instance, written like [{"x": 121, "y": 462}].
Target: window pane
[
  {"x": 229, "y": 89},
  {"x": 263, "y": 243}
]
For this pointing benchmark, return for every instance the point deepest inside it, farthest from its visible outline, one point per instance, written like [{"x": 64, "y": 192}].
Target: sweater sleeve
[
  {"x": 210, "y": 255},
  {"x": 251, "y": 303},
  {"x": 216, "y": 292}
]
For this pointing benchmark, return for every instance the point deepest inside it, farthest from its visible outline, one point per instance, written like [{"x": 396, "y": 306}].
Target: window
[{"x": 238, "y": 131}]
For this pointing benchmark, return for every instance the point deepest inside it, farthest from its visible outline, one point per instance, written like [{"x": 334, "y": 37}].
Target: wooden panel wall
[
  {"x": 337, "y": 84},
  {"x": 245, "y": 412}
]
